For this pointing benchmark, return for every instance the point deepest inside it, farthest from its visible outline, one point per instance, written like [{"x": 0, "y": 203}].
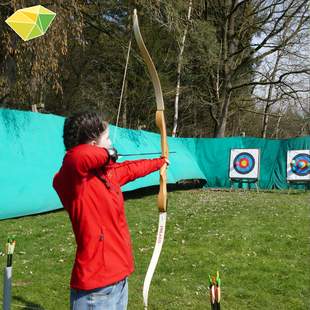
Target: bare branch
[{"x": 280, "y": 79}]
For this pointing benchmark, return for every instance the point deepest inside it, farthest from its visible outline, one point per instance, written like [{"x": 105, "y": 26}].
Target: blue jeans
[{"x": 112, "y": 297}]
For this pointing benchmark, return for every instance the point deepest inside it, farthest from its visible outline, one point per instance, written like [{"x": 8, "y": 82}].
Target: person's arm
[
  {"x": 130, "y": 170},
  {"x": 84, "y": 158}
]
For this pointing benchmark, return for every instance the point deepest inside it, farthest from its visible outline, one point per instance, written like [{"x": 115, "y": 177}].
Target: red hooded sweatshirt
[{"x": 89, "y": 187}]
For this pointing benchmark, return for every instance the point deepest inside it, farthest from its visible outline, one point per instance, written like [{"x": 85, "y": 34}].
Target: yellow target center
[{"x": 243, "y": 163}]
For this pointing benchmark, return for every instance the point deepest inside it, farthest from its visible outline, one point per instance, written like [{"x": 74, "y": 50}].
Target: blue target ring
[
  {"x": 244, "y": 163},
  {"x": 300, "y": 164}
]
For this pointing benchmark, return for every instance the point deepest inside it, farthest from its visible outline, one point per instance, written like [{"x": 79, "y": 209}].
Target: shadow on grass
[
  {"x": 153, "y": 190},
  {"x": 184, "y": 185},
  {"x": 138, "y": 193},
  {"x": 26, "y": 304}
]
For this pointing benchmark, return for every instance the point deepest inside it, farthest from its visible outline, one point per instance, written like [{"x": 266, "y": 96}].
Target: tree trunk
[
  {"x": 229, "y": 47},
  {"x": 177, "y": 95},
  {"x": 221, "y": 126},
  {"x": 277, "y": 129},
  {"x": 269, "y": 96},
  {"x": 34, "y": 108}
]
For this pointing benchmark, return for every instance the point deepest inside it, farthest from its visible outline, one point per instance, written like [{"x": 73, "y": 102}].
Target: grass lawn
[{"x": 260, "y": 243}]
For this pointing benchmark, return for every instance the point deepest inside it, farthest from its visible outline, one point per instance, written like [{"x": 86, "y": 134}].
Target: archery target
[
  {"x": 298, "y": 165},
  {"x": 244, "y": 164}
]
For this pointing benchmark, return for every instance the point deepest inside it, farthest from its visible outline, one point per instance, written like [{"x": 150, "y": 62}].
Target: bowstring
[{"x": 123, "y": 88}]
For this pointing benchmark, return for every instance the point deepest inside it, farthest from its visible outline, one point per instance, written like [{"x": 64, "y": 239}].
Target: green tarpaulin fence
[{"x": 32, "y": 151}]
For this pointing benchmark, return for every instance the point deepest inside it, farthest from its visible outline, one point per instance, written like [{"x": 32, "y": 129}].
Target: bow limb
[
  {"x": 160, "y": 117},
  {"x": 149, "y": 62},
  {"x": 160, "y": 123}
]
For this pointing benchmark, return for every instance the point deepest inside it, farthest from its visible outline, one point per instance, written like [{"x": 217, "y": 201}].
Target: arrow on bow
[
  {"x": 160, "y": 123},
  {"x": 141, "y": 154}
]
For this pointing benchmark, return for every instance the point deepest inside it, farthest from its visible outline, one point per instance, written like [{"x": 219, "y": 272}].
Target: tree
[
  {"x": 223, "y": 70},
  {"x": 180, "y": 57},
  {"x": 286, "y": 69},
  {"x": 243, "y": 35},
  {"x": 30, "y": 69}
]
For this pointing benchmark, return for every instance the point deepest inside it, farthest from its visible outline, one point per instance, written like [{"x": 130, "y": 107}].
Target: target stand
[
  {"x": 244, "y": 167},
  {"x": 298, "y": 168},
  {"x": 240, "y": 183}
]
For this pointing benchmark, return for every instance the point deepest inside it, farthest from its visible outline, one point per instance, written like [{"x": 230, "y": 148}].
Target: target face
[
  {"x": 298, "y": 165},
  {"x": 244, "y": 163}
]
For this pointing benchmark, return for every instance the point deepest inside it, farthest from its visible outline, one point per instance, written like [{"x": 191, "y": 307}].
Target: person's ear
[{"x": 93, "y": 142}]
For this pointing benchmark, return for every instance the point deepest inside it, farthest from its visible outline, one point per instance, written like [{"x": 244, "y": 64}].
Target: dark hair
[{"x": 82, "y": 128}]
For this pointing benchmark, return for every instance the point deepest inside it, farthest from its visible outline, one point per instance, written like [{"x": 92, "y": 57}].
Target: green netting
[
  {"x": 213, "y": 157},
  {"x": 32, "y": 151}
]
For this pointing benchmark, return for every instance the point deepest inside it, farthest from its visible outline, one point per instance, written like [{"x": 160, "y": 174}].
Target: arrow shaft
[{"x": 153, "y": 153}]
